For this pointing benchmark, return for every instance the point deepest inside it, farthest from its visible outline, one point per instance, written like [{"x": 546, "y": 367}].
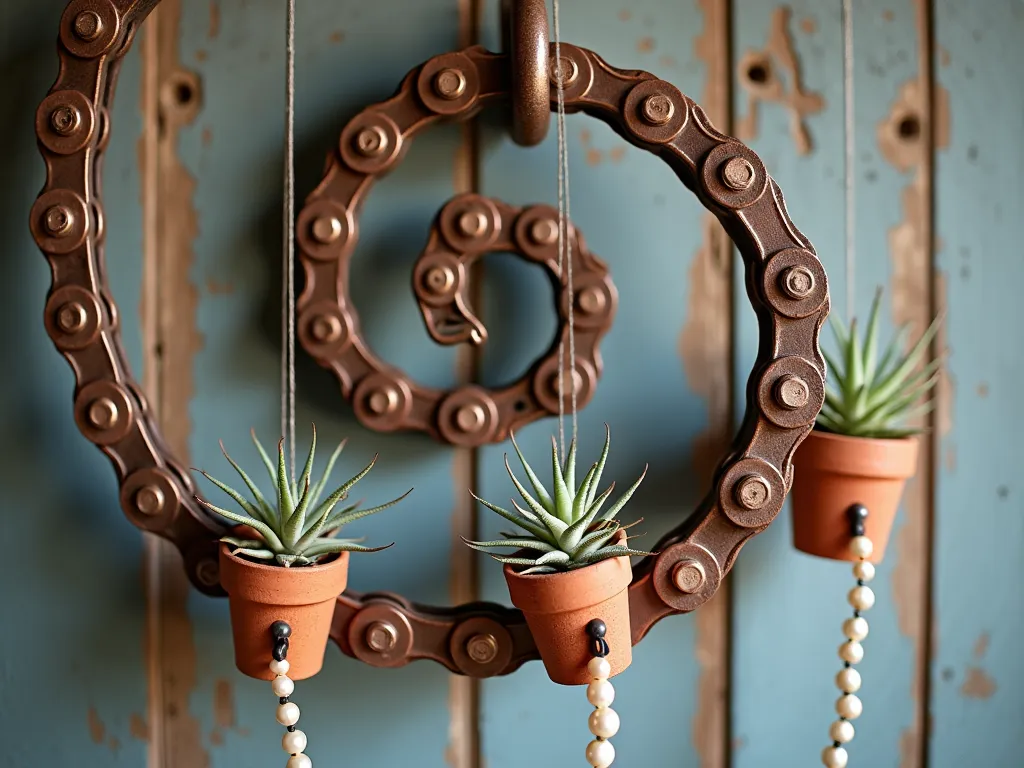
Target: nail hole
[
  {"x": 520, "y": 406},
  {"x": 909, "y": 127},
  {"x": 757, "y": 73},
  {"x": 184, "y": 93}
]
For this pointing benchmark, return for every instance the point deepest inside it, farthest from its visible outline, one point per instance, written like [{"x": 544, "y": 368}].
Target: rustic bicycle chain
[
  {"x": 785, "y": 282},
  {"x": 467, "y": 227}
]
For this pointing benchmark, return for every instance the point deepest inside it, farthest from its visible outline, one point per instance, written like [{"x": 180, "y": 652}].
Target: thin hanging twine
[
  {"x": 564, "y": 242},
  {"x": 288, "y": 251},
  {"x": 848, "y": 161}
]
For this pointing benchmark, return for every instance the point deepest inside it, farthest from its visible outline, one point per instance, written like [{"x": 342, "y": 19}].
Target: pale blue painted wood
[
  {"x": 977, "y": 670},
  {"x": 638, "y": 217},
  {"x": 353, "y": 714},
  {"x": 788, "y": 607},
  {"x": 73, "y": 623}
]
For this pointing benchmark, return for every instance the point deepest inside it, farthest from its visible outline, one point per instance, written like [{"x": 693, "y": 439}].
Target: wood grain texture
[
  {"x": 977, "y": 671},
  {"x": 72, "y": 674},
  {"x": 636, "y": 216},
  {"x": 193, "y": 234},
  {"x": 234, "y": 151},
  {"x": 788, "y": 606}
]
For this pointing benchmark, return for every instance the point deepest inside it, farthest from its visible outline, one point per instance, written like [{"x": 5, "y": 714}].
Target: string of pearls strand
[
  {"x": 294, "y": 741},
  {"x": 604, "y": 721},
  {"x": 849, "y": 706}
]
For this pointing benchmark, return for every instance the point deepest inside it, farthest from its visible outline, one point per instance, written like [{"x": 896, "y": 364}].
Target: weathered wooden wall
[{"x": 108, "y": 659}]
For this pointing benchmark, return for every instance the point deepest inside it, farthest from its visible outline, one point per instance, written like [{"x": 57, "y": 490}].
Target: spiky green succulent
[
  {"x": 872, "y": 397},
  {"x": 295, "y": 527},
  {"x": 567, "y": 528}
]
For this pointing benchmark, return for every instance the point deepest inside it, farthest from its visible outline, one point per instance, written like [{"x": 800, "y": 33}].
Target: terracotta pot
[
  {"x": 834, "y": 472},
  {"x": 558, "y": 607},
  {"x": 261, "y": 594}
]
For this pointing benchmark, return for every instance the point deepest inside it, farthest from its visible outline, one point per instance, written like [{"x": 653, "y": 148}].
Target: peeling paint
[
  {"x": 171, "y": 98},
  {"x": 213, "y": 28},
  {"x": 758, "y": 78},
  {"x": 918, "y": 115},
  {"x": 593, "y": 156},
  {"x": 808, "y": 25},
  {"x": 625, "y": 15},
  {"x": 138, "y": 727},
  {"x": 704, "y": 347},
  {"x": 97, "y": 730},
  {"x": 978, "y": 684},
  {"x": 645, "y": 44},
  {"x": 616, "y": 154},
  {"x": 667, "y": 61},
  {"x": 337, "y": 36}
]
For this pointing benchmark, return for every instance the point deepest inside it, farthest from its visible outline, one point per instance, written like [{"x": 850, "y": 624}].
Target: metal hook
[{"x": 524, "y": 31}]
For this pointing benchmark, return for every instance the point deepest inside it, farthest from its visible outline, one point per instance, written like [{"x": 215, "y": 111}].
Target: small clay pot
[
  {"x": 834, "y": 472},
  {"x": 558, "y": 607},
  {"x": 303, "y": 596}
]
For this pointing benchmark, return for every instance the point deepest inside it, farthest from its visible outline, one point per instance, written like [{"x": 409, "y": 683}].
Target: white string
[
  {"x": 848, "y": 172},
  {"x": 288, "y": 251},
  {"x": 564, "y": 242}
]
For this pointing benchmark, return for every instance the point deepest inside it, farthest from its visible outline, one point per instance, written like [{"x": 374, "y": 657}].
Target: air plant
[
  {"x": 872, "y": 397},
  {"x": 295, "y": 528},
  {"x": 566, "y": 529}
]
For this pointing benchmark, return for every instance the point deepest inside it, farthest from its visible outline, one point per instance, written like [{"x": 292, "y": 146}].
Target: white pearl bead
[
  {"x": 288, "y": 714},
  {"x": 848, "y": 680},
  {"x": 861, "y": 598},
  {"x": 841, "y": 731},
  {"x": 293, "y": 742},
  {"x": 604, "y": 722},
  {"x": 849, "y": 706},
  {"x": 283, "y": 686},
  {"x": 856, "y": 628},
  {"x": 864, "y": 571},
  {"x": 599, "y": 668},
  {"x": 834, "y": 757},
  {"x": 600, "y": 754},
  {"x": 280, "y": 667},
  {"x": 600, "y": 693},
  {"x": 851, "y": 651},
  {"x": 861, "y": 546},
  {"x": 302, "y": 761}
]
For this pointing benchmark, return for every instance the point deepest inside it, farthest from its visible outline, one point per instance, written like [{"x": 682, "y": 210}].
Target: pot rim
[
  {"x": 877, "y": 457},
  {"x": 569, "y": 590},
  {"x": 278, "y": 585}
]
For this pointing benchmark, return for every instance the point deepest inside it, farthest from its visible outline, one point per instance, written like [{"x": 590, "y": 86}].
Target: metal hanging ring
[{"x": 525, "y": 39}]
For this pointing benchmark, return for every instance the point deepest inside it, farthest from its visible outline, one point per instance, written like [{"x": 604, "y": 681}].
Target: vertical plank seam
[
  {"x": 928, "y": 77},
  {"x": 464, "y": 749},
  {"x": 149, "y": 312}
]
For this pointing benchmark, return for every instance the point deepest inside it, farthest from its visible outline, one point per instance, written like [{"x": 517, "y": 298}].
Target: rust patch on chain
[
  {"x": 171, "y": 99},
  {"x": 704, "y": 346},
  {"x": 758, "y": 76}
]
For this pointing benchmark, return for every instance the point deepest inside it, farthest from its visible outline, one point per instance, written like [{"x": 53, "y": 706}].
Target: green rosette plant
[
  {"x": 568, "y": 528},
  {"x": 295, "y": 527}
]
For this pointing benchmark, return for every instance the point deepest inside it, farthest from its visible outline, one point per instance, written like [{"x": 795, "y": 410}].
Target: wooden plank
[
  {"x": 233, "y": 150},
  {"x": 977, "y": 671},
  {"x": 72, "y": 679},
  {"x": 788, "y": 606},
  {"x": 670, "y": 273}
]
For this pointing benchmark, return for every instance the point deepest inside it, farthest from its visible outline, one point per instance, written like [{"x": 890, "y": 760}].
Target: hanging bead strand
[
  {"x": 849, "y": 706},
  {"x": 294, "y": 740},
  {"x": 604, "y": 721}
]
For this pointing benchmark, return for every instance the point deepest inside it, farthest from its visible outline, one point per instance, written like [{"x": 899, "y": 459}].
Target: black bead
[
  {"x": 856, "y": 614},
  {"x": 280, "y": 650},
  {"x": 283, "y": 700},
  {"x": 857, "y": 514},
  {"x": 291, "y": 729},
  {"x": 836, "y": 744},
  {"x": 597, "y": 628},
  {"x": 280, "y": 630}
]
